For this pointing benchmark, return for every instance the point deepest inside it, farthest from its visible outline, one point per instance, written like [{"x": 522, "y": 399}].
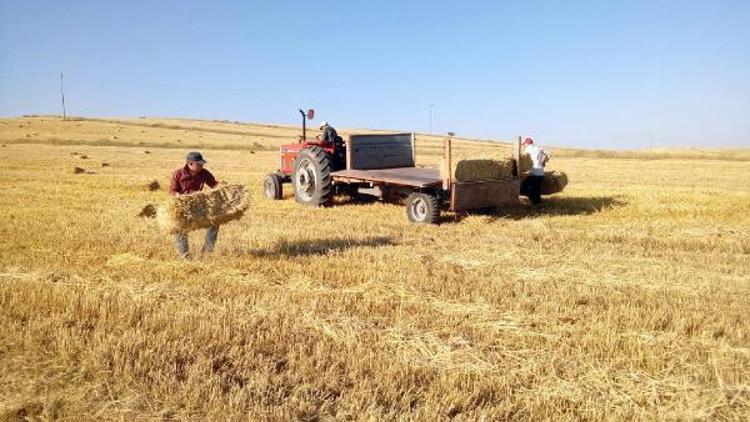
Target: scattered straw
[{"x": 203, "y": 209}]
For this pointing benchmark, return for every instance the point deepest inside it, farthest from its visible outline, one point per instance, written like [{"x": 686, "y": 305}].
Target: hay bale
[
  {"x": 554, "y": 182},
  {"x": 154, "y": 185},
  {"x": 524, "y": 163},
  {"x": 73, "y": 153},
  {"x": 149, "y": 211},
  {"x": 104, "y": 164},
  {"x": 77, "y": 170},
  {"x": 482, "y": 169},
  {"x": 83, "y": 157},
  {"x": 146, "y": 152},
  {"x": 202, "y": 210}
]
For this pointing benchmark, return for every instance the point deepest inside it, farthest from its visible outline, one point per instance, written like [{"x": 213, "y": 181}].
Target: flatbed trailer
[{"x": 388, "y": 162}]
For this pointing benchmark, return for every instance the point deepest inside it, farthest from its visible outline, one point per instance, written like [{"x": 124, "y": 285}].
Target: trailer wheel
[
  {"x": 312, "y": 177},
  {"x": 272, "y": 186},
  {"x": 423, "y": 208}
]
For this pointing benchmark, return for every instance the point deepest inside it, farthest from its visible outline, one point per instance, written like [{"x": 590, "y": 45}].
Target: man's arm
[
  {"x": 174, "y": 185},
  {"x": 210, "y": 179}
]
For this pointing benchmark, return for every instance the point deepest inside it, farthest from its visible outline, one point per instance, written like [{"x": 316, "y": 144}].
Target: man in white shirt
[{"x": 532, "y": 184}]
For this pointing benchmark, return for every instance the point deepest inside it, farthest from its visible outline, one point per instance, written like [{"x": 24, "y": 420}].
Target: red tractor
[{"x": 308, "y": 165}]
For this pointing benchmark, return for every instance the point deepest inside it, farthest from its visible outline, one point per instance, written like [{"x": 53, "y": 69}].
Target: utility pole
[
  {"x": 62, "y": 94},
  {"x": 430, "y": 106}
]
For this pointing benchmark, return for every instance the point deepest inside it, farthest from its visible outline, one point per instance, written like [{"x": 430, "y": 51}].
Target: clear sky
[{"x": 603, "y": 74}]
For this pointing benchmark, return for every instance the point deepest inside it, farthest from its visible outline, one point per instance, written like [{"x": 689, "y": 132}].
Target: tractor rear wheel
[
  {"x": 272, "y": 186},
  {"x": 312, "y": 177},
  {"x": 423, "y": 208}
]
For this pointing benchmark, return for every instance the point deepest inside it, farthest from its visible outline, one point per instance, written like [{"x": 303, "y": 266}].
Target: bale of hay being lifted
[
  {"x": 202, "y": 210},
  {"x": 554, "y": 182}
]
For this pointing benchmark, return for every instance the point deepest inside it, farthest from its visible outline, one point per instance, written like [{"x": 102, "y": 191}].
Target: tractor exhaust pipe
[
  {"x": 306, "y": 115},
  {"x": 304, "y": 120}
]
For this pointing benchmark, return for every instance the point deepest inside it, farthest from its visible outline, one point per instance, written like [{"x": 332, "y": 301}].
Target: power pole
[
  {"x": 431, "y": 106},
  {"x": 62, "y": 95}
]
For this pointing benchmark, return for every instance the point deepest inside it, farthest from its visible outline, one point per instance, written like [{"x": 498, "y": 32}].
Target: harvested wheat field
[{"x": 625, "y": 297}]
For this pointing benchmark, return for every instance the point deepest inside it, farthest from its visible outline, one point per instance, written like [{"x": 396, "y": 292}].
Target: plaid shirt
[{"x": 183, "y": 182}]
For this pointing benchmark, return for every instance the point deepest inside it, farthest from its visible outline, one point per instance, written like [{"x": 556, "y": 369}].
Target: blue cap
[{"x": 196, "y": 156}]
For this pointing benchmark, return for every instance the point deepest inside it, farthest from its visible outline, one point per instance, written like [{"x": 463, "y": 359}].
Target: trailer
[{"x": 387, "y": 162}]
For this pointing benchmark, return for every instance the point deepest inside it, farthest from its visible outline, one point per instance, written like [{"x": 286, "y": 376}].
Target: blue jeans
[
  {"x": 181, "y": 240},
  {"x": 531, "y": 187}
]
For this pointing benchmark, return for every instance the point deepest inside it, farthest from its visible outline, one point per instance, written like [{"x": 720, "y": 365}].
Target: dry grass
[{"x": 625, "y": 297}]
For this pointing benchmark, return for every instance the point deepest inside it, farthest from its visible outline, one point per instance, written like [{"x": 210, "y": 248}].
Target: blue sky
[{"x": 599, "y": 74}]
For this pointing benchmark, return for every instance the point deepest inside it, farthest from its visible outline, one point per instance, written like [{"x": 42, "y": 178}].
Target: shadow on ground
[
  {"x": 354, "y": 200},
  {"x": 295, "y": 248},
  {"x": 551, "y": 206}
]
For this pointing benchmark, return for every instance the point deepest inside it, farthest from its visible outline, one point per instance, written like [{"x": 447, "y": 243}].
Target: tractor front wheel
[
  {"x": 312, "y": 177},
  {"x": 423, "y": 208},
  {"x": 272, "y": 186}
]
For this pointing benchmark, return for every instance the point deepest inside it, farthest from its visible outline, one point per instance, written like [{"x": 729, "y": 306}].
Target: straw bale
[
  {"x": 482, "y": 169},
  {"x": 199, "y": 210},
  {"x": 525, "y": 164},
  {"x": 554, "y": 182},
  {"x": 482, "y": 166},
  {"x": 149, "y": 211},
  {"x": 77, "y": 170}
]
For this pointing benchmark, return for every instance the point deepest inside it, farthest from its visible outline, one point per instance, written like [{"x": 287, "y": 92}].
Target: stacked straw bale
[
  {"x": 202, "y": 210},
  {"x": 470, "y": 167},
  {"x": 525, "y": 163},
  {"x": 482, "y": 169}
]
